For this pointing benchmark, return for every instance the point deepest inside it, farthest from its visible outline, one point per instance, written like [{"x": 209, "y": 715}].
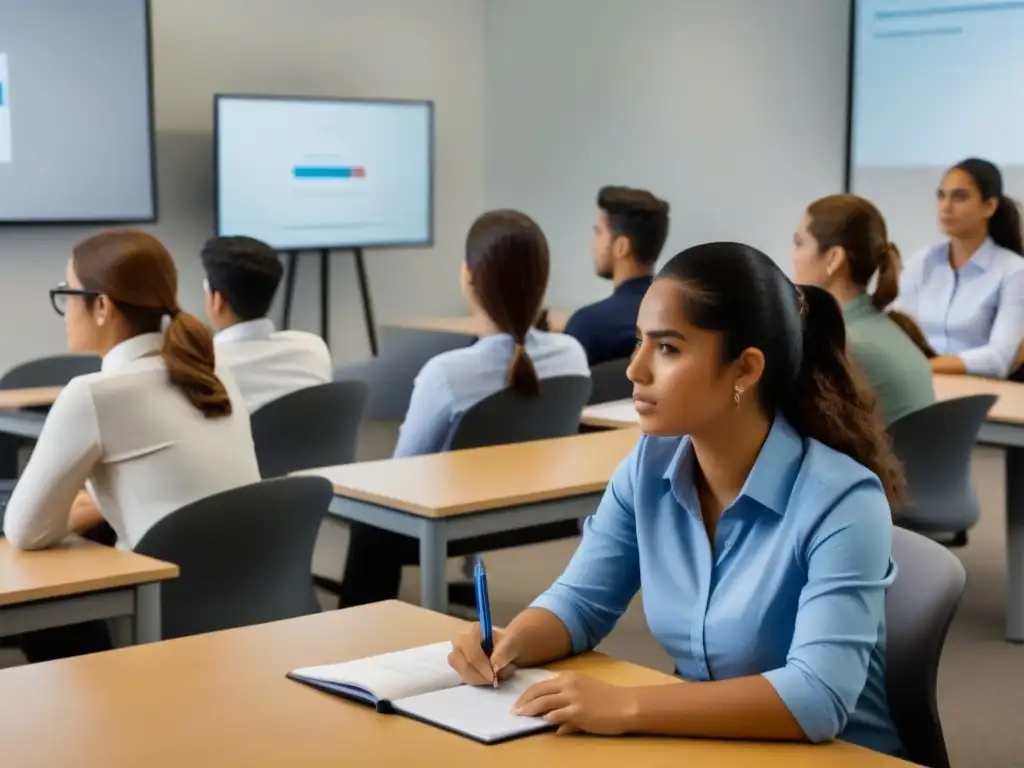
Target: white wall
[
  {"x": 732, "y": 110},
  {"x": 396, "y": 48}
]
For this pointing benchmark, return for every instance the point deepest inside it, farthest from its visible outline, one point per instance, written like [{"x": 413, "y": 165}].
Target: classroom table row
[{"x": 223, "y": 699}]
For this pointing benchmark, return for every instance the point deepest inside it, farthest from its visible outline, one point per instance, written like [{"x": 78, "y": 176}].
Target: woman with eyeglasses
[{"x": 156, "y": 429}]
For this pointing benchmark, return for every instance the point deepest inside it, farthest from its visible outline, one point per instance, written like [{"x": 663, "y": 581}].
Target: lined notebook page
[
  {"x": 480, "y": 712},
  {"x": 394, "y": 675}
]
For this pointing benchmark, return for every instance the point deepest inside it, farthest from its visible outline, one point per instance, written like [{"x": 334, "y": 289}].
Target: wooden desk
[
  {"x": 16, "y": 421},
  {"x": 457, "y": 495},
  {"x": 222, "y": 699},
  {"x": 471, "y": 325},
  {"x": 80, "y": 581}
]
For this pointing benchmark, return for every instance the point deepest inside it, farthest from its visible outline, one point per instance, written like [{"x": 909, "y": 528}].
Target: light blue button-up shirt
[
  {"x": 452, "y": 382},
  {"x": 793, "y": 587},
  {"x": 976, "y": 313}
]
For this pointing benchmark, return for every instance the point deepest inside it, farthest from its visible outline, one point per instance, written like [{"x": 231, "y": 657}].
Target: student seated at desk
[
  {"x": 504, "y": 278},
  {"x": 157, "y": 428},
  {"x": 967, "y": 294},
  {"x": 629, "y": 233},
  {"x": 840, "y": 245},
  {"x": 242, "y": 275},
  {"x": 755, "y": 515}
]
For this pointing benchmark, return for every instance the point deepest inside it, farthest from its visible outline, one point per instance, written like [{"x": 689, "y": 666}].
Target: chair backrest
[
  {"x": 313, "y": 427},
  {"x": 610, "y": 382},
  {"x": 935, "y": 445},
  {"x": 919, "y": 607},
  {"x": 509, "y": 417},
  {"x": 246, "y": 556},
  {"x": 53, "y": 371}
]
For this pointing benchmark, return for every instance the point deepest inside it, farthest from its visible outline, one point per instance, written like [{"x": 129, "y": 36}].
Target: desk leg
[
  {"x": 1015, "y": 545},
  {"x": 433, "y": 557},
  {"x": 146, "y": 627}
]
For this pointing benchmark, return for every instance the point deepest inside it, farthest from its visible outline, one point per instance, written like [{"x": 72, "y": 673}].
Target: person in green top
[{"x": 840, "y": 244}]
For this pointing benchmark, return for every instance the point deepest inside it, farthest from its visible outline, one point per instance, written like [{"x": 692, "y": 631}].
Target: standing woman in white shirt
[
  {"x": 967, "y": 294},
  {"x": 156, "y": 429}
]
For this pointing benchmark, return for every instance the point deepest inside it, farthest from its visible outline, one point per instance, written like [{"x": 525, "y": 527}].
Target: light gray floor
[{"x": 981, "y": 682}]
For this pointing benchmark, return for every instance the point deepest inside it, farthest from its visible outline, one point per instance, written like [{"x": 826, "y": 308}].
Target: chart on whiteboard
[{"x": 5, "y": 111}]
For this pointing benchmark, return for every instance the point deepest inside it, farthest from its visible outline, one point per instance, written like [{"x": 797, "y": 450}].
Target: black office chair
[
  {"x": 245, "y": 556},
  {"x": 313, "y": 427},
  {"x": 610, "y": 382},
  {"x": 935, "y": 445},
  {"x": 919, "y": 608},
  {"x": 52, "y": 371}
]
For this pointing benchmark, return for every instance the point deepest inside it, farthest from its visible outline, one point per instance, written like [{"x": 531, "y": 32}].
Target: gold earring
[{"x": 737, "y": 394}]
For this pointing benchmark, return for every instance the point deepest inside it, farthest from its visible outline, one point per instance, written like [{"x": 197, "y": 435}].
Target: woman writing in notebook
[
  {"x": 157, "y": 428},
  {"x": 754, "y": 513}
]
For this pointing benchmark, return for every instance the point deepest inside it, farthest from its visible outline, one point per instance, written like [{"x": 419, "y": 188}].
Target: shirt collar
[
  {"x": 858, "y": 308},
  {"x": 981, "y": 259},
  {"x": 770, "y": 481},
  {"x": 503, "y": 338},
  {"x": 130, "y": 350},
  {"x": 260, "y": 329},
  {"x": 635, "y": 285}
]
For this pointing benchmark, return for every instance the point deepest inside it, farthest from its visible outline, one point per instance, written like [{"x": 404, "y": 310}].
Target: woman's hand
[
  {"x": 577, "y": 703},
  {"x": 469, "y": 660},
  {"x": 84, "y": 514}
]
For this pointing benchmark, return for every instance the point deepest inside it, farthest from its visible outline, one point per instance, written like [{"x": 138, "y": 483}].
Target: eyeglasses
[{"x": 59, "y": 297}]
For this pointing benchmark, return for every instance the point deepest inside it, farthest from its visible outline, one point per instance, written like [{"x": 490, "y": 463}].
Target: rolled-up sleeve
[
  {"x": 840, "y": 614},
  {"x": 996, "y": 359},
  {"x": 604, "y": 573}
]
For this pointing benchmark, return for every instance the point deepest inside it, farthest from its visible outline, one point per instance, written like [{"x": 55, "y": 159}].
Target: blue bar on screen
[{"x": 326, "y": 172}]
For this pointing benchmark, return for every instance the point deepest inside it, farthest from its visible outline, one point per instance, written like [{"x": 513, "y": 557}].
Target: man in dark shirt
[{"x": 629, "y": 233}]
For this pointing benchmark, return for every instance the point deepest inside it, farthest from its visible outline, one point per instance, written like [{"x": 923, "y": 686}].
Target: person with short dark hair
[
  {"x": 242, "y": 275},
  {"x": 754, "y": 514},
  {"x": 629, "y": 233},
  {"x": 967, "y": 293}
]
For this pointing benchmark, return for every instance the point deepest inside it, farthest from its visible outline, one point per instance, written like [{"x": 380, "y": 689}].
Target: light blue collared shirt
[
  {"x": 452, "y": 382},
  {"x": 976, "y": 313},
  {"x": 793, "y": 588}
]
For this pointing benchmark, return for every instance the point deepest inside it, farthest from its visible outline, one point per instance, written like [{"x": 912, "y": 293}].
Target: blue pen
[{"x": 483, "y": 609}]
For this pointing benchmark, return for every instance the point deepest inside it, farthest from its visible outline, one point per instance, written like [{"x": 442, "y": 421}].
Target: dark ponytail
[
  {"x": 830, "y": 403},
  {"x": 188, "y": 355},
  {"x": 508, "y": 263},
  {"x": 1004, "y": 226}
]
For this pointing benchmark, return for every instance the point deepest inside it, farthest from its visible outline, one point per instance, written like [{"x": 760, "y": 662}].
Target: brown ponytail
[
  {"x": 137, "y": 274},
  {"x": 188, "y": 356},
  {"x": 888, "y": 286},
  {"x": 508, "y": 263}
]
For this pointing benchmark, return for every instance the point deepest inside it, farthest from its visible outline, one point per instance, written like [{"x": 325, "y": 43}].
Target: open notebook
[{"x": 419, "y": 683}]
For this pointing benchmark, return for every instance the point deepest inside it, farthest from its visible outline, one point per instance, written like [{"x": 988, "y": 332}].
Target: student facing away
[
  {"x": 754, "y": 513},
  {"x": 629, "y": 233},
  {"x": 242, "y": 275},
  {"x": 839, "y": 245},
  {"x": 967, "y": 294},
  {"x": 504, "y": 278},
  {"x": 156, "y": 429}
]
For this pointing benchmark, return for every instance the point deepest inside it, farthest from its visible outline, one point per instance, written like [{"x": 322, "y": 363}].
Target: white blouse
[{"x": 133, "y": 440}]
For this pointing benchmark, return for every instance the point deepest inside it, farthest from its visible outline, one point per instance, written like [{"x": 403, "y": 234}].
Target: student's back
[
  {"x": 242, "y": 276},
  {"x": 840, "y": 245}
]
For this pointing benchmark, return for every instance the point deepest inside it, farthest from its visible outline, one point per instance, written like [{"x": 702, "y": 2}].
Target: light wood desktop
[
  {"x": 459, "y": 495},
  {"x": 78, "y": 581},
  {"x": 470, "y": 325},
  {"x": 16, "y": 421},
  {"x": 223, "y": 699}
]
